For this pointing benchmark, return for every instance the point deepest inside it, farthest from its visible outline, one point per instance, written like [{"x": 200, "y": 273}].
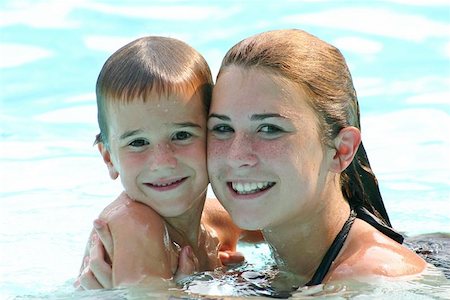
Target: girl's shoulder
[{"x": 368, "y": 252}]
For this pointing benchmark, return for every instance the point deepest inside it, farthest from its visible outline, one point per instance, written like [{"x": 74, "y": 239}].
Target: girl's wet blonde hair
[
  {"x": 148, "y": 66},
  {"x": 320, "y": 70}
]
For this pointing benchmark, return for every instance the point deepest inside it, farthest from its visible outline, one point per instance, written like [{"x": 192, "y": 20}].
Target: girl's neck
[{"x": 300, "y": 244}]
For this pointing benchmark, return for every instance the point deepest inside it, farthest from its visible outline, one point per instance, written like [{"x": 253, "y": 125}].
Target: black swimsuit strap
[
  {"x": 360, "y": 213},
  {"x": 363, "y": 214},
  {"x": 333, "y": 251}
]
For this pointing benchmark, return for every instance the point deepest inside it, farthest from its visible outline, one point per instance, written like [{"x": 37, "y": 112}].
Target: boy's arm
[
  {"x": 96, "y": 270},
  {"x": 143, "y": 252}
]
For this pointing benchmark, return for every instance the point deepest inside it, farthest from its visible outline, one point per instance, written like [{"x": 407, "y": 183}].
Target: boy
[{"x": 153, "y": 96}]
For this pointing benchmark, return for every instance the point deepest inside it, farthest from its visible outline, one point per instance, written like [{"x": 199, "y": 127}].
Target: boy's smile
[
  {"x": 166, "y": 185},
  {"x": 158, "y": 150}
]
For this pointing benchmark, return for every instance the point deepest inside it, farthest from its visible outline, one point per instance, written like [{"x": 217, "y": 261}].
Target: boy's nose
[{"x": 163, "y": 157}]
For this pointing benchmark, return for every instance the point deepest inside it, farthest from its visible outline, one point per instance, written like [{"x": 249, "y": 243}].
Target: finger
[
  {"x": 104, "y": 234},
  {"x": 231, "y": 257},
  {"x": 85, "y": 262},
  {"x": 77, "y": 285},
  {"x": 187, "y": 264},
  {"x": 87, "y": 281},
  {"x": 100, "y": 269}
]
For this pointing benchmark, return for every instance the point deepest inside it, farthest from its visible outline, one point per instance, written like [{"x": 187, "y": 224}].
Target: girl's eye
[
  {"x": 270, "y": 129},
  {"x": 222, "y": 129},
  {"x": 139, "y": 143},
  {"x": 182, "y": 136}
]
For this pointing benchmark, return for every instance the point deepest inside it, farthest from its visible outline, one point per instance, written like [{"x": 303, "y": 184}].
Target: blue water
[{"x": 53, "y": 183}]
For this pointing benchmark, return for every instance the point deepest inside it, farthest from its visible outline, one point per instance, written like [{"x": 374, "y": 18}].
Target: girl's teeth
[{"x": 248, "y": 188}]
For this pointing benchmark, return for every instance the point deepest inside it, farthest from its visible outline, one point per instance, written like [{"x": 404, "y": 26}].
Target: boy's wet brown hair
[{"x": 150, "y": 65}]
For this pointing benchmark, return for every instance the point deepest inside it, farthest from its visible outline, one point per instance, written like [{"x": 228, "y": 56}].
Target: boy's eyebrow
[
  {"x": 138, "y": 131},
  {"x": 255, "y": 117},
  {"x": 129, "y": 133}
]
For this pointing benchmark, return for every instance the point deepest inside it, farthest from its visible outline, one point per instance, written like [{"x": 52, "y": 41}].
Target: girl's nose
[{"x": 240, "y": 153}]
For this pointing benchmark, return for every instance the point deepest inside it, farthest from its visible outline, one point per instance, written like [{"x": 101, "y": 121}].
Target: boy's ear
[
  {"x": 107, "y": 159},
  {"x": 346, "y": 144}
]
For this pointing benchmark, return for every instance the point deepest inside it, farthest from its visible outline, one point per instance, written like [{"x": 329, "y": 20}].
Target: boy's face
[{"x": 158, "y": 148}]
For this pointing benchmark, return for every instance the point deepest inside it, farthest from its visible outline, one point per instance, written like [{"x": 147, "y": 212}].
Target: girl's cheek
[
  {"x": 217, "y": 149},
  {"x": 270, "y": 149}
]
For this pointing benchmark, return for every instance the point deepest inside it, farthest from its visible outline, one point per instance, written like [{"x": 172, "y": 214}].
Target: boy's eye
[
  {"x": 182, "y": 135},
  {"x": 139, "y": 143}
]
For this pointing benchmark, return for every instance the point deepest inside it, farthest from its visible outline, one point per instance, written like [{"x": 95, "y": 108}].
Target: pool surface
[{"x": 53, "y": 182}]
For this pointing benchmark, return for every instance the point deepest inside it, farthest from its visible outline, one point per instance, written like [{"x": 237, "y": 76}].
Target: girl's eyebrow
[
  {"x": 187, "y": 124},
  {"x": 221, "y": 117},
  {"x": 259, "y": 117},
  {"x": 255, "y": 117}
]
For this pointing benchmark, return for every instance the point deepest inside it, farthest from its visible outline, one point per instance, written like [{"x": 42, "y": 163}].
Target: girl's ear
[
  {"x": 346, "y": 144},
  {"x": 107, "y": 159}
]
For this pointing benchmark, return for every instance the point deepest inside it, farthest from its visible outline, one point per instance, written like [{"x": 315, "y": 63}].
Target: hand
[
  {"x": 97, "y": 270},
  {"x": 228, "y": 257},
  {"x": 187, "y": 264}
]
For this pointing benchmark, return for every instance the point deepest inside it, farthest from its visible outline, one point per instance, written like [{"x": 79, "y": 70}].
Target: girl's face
[
  {"x": 265, "y": 159},
  {"x": 159, "y": 150}
]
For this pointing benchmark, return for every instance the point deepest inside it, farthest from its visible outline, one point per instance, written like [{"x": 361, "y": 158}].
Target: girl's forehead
[{"x": 257, "y": 89}]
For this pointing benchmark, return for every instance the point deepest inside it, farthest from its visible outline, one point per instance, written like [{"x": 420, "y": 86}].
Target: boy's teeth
[
  {"x": 250, "y": 187},
  {"x": 166, "y": 184}
]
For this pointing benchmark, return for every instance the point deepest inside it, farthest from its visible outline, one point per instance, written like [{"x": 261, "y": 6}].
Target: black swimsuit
[{"x": 360, "y": 213}]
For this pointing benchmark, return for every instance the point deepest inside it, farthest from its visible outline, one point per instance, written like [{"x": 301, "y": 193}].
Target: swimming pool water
[{"x": 53, "y": 182}]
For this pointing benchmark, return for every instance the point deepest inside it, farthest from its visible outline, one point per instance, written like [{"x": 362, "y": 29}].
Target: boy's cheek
[{"x": 131, "y": 161}]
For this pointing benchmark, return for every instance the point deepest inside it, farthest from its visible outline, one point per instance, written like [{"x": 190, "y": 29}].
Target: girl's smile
[
  {"x": 247, "y": 188},
  {"x": 258, "y": 155}
]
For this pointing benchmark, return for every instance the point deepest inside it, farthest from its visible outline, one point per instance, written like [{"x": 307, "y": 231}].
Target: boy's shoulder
[
  {"x": 125, "y": 206},
  {"x": 142, "y": 247},
  {"x": 127, "y": 215}
]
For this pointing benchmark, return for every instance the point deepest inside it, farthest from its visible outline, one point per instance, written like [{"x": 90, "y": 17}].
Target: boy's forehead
[
  {"x": 153, "y": 96},
  {"x": 163, "y": 103}
]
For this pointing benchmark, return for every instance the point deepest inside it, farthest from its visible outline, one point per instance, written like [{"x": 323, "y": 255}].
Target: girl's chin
[{"x": 248, "y": 221}]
